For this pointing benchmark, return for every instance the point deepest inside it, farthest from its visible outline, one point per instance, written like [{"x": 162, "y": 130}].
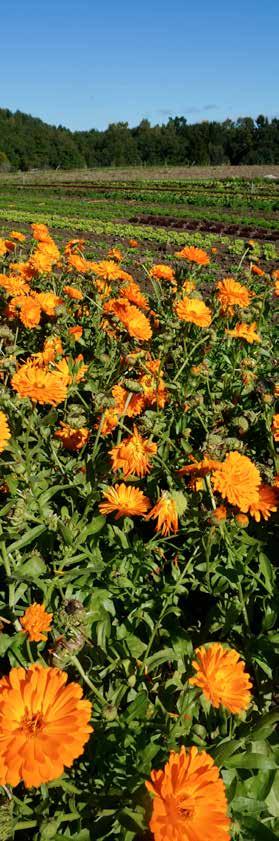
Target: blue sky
[{"x": 85, "y": 64}]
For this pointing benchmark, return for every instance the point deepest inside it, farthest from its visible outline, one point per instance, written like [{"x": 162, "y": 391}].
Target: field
[{"x": 139, "y": 489}]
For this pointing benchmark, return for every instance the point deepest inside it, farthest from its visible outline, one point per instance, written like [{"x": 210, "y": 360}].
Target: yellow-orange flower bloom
[
  {"x": 231, "y": 293},
  {"x": 72, "y": 370},
  {"x": 71, "y": 438},
  {"x": 72, "y": 244},
  {"x": 219, "y": 514},
  {"x": 245, "y": 331},
  {"x": 194, "y": 311},
  {"x": 76, "y": 332},
  {"x": 18, "y": 235},
  {"x": 275, "y": 427},
  {"x": 256, "y": 270},
  {"x": 133, "y": 455},
  {"x": 48, "y": 302},
  {"x": 188, "y": 286},
  {"x": 40, "y": 232},
  {"x": 165, "y": 512},
  {"x": 14, "y": 285},
  {"x": 242, "y": 520},
  {"x": 199, "y": 468},
  {"x": 52, "y": 349},
  {"x": 133, "y": 243},
  {"x": 44, "y": 725},
  {"x": 115, "y": 254},
  {"x": 238, "y": 480},
  {"x": 3, "y": 247},
  {"x": 133, "y": 294},
  {"x": 109, "y": 270},
  {"x": 30, "y": 312},
  {"x": 125, "y": 500},
  {"x": 73, "y": 293},
  {"x": 195, "y": 255},
  {"x": 80, "y": 264},
  {"x": 222, "y": 678},
  {"x": 36, "y": 622},
  {"x": 40, "y": 385},
  {"x": 162, "y": 272},
  {"x": 189, "y": 800},
  {"x": 4, "y": 432},
  {"x": 266, "y": 505},
  {"x": 131, "y": 317}
]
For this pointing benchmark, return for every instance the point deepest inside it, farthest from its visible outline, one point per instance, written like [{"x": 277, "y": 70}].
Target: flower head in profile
[
  {"x": 267, "y": 503},
  {"x": 3, "y": 247},
  {"x": 194, "y": 255},
  {"x": 133, "y": 294},
  {"x": 73, "y": 244},
  {"x": 246, "y": 332},
  {"x": 232, "y": 294},
  {"x": 194, "y": 311},
  {"x": 17, "y": 235},
  {"x": 36, "y": 622},
  {"x": 162, "y": 272},
  {"x": 4, "y": 432},
  {"x": 238, "y": 480},
  {"x": 76, "y": 332},
  {"x": 189, "y": 800},
  {"x": 71, "y": 438},
  {"x": 166, "y": 514},
  {"x": 275, "y": 427},
  {"x": 133, "y": 455},
  {"x": 40, "y": 232},
  {"x": 133, "y": 243},
  {"x": 256, "y": 270},
  {"x": 73, "y": 293},
  {"x": 40, "y": 385},
  {"x": 115, "y": 254},
  {"x": 80, "y": 264},
  {"x": 109, "y": 270},
  {"x": 44, "y": 725},
  {"x": 198, "y": 468},
  {"x": 126, "y": 500},
  {"x": 220, "y": 674}
]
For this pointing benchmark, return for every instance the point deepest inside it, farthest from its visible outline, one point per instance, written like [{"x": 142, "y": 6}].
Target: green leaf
[
  {"x": 33, "y": 568},
  {"x": 259, "y": 832},
  {"x": 27, "y": 538},
  {"x": 251, "y": 760}
]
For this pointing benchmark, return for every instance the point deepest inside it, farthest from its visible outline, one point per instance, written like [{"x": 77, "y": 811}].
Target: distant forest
[{"x": 28, "y": 143}]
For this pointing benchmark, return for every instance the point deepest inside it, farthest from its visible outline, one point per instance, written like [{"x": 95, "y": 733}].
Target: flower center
[
  {"x": 31, "y": 724},
  {"x": 175, "y": 810}
]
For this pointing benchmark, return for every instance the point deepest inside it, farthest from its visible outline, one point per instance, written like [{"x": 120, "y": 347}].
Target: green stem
[{"x": 87, "y": 680}]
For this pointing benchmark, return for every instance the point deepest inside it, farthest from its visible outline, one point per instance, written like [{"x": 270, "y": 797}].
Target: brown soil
[{"x": 228, "y": 229}]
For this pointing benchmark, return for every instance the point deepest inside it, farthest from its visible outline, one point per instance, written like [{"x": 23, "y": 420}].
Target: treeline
[{"x": 27, "y": 143}]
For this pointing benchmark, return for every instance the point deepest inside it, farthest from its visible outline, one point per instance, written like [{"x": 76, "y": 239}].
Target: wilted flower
[{"x": 71, "y": 438}]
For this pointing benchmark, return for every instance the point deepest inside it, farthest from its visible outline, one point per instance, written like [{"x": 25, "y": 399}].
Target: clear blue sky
[{"x": 86, "y": 63}]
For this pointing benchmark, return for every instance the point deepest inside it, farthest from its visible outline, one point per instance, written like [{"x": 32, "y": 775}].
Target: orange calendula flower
[
  {"x": 127, "y": 403},
  {"x": 72, "y": 439},
  {"x": 40, "y": 385},
  {"x": 30, "y": 313},
  {"x": 222, "y": 678},
  {"x": 109, "y": 270},
  {"x": 194, "y": 311},
  {"x": 76, "y": 332},
  {"x": 162, "y": 272},
  {"x": 219, "y": 514},
  {"x": 276, "y": 481},
  {"x": 73, "y": 293},
  {"x": 256, "y": 270},
  {"x": 131, "y": 317},
  {"x": 44, "y": 725},
  {"x": 133, "y": 455},
  {"x": 199, "y": 468},
  {"x": 14, "y": 285},
  {"x": 165, "y": 512},
  {"x": 238, "y": 480},
  {"x": 125, "y": 500},
  {"x": 4, "y": 432},
  {"x": 49, "y": 302},
  {"x": 232, "y": 294},
  {"x": 275, "y": 427},
  {"x": 195, "y": 255},
  {"x": 10, "y": 245},
  {"x": 189, "y": 800},
  {"x": 246, "y": 332},
  {"x": 80, "y": 264},
  {"x": 133, "y": 243},
  {"x": 3, "y": 248},
  {"x": 266, "y": 505},
  {"x": 242, "y": 520},
  {"x": 40, "y": 232},
  {"x": 36, "y": 622},
  {"x": 188, "y": 286},
  {"x": 276, "y": 288},
  {"x": 72, "y": 370},
  {"x": 72, "y": 244},
  {"x": 134, "y": 295},
  {"x": 115, "y": 254},
  {"x": 18, "y": 236}
]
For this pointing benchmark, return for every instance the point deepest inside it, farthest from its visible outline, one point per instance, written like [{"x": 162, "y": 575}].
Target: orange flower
[
  {"x": 133, "y": 243},
  {"x": 75, "y": 261},
  {"x": 48, "y": 302},
  {"x": 154, "y": 390},
  {"x": 115, "y": 254},
  {"x": 36, "y": 622},
  {"x": 126, "y": 500},
  {"x": 162, "y": 272},
  {"x": 76, "y": 332},
  {"x": 3, "y": 248},
  {"x": 110, "y": 420},
  {"x": 4, "y": 432},
  {"x": 40, "y": 232},
  {"x": 219, "y": 514},
  {"x": 276, "y": 288},
  {"x": 17, "y": 235},
  {"x": 126, "y": 402},
  {"x": 72, "y": 244},
  {"x": 52, "y": 349},
  {"x": 221, "y": 676},
  {"x": 133, "y": 294},
  {"x": 188, "y": 286},
  {"x": 109, "y": 270},
  {"x": 165, "y": 511},
  {"x": 195, "y": 255},
  {"x": 276, "y": 481},
  {"x": 267, "y": 503},
  {"x": 242, "y": 520},
  {"x": 257, "y": 270},
  {"x": 237, "y": 480},
  {"x": 73, "y": 293},
  {"x": 14, "y": 285},
  {"x": 194, "y": 311},
  {"x": 199, "y": 468},
  {"x": 10, "y": 245},
  {"x": 131, "y": 317},
  {"x": 133, "y": 455},
  {"x": 72, "y": 439},
  {"x": 72, "y": 370},
  {"x": 30, "y": 312},
  {"x": 40, "y": 385},
  {"x": 245, "y": 331},
  {"x": 189, "y": 799},
  {"x": 43, "y": 725},
  {"x": 232, "y": 294}
]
